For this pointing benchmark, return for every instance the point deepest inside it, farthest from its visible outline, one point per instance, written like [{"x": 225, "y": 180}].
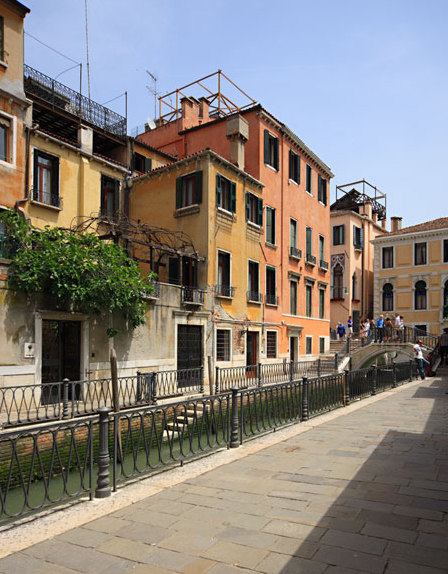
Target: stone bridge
[{"x": 362, "y": 355}]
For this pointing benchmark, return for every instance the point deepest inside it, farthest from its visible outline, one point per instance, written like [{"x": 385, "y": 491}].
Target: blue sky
[{"x": 363, "y": 84}]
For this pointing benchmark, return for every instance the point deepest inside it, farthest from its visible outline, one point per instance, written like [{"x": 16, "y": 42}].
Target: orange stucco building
[{"x": 294, "y": 243}]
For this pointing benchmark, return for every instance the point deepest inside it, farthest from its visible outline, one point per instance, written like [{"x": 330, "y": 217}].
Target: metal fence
[{"x": 47, "y": 465}]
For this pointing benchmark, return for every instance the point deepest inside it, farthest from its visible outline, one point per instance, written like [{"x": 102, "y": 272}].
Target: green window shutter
[
  {"x": 268, "y": 224},
  {"x": 55, "y": 178},
  {"x": 247, "y": 206},
  {"x": 233, "y": 197},
  {"x": 324, "y": 191},
  {"x": 260, "y": 212},
  {"x": 198, "y": 188},
  {"x": 335, "y": 235},
  {"x": 343, "y": 235},
  {"x": 173, "y": 271},
  {"x": 276, "y": 153},
  {"x": 218, "y": 191},
  {"x": 291, "y": 166},
  {"x": 319, "y": 187},
  {"x": 298, "y": 168},
  {"x": 179, "y": 192},
  {"x": 116, "y": 195},
  {"x": 309, "y": 240},
  {"x": 148, "y": 164},
  {"x": 35, "y": 175},
  {"x": 273, "y": 225},
  {"x": 266, "y": 146}
]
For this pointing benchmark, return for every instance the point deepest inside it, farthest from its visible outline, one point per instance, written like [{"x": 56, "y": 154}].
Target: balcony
[
  {"x": 155, "y": 294},
  {"x": 226, "y": 291},
  {"x": 271, "y": 299},
  {"x": 60, "y": 97},
  {"x": 51, "y": 199},
  {"x": 254, "y": 297},
  {"x": 323, "y": 265},
  {"x": 192, "y": 296},
  {"x": 310, "y": 259},
  {"x": 357, "y": 245},
  {"x": 295, "y": 253}
]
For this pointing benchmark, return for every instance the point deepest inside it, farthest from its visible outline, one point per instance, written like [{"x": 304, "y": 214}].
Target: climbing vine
[{"x": 81, "y": 270}]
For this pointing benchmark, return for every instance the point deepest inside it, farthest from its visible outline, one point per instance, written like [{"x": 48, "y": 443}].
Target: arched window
[
  {"x": 338, "y": 276},
  {"x": 388, "y": 297},
  {"x": 445, "y": 300},
  {"x": 420, "y": 295},
  {"x": 354, "y": 286}
]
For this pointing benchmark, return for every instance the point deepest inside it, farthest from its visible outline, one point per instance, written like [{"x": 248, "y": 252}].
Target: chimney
[
  {"x": 383, "y": 223},
  {"x": 85, "y": 138},
  {"x": 237, "y": 131},
  {"x": 396, "y": 223},
  {"x": 375, "y": 217},
  {"x": 189, "y": 113},
  {"x": 366, "y": 209},
  {"x": 204, "y": 107}
]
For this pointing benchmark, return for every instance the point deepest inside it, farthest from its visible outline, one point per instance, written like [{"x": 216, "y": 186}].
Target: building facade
[{"x": 411, "y": 274}]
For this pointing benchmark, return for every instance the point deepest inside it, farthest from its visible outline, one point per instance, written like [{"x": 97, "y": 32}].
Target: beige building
[
  {"x": 411, "y": 274},
  {"x": 357, "y": 217}
]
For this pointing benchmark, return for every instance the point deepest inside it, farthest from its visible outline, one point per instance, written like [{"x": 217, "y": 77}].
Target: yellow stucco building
[{"x": 411, "y": 274}]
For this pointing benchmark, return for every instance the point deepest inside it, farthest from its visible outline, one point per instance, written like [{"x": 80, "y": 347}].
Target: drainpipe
[{"x": 362, "y": 269}]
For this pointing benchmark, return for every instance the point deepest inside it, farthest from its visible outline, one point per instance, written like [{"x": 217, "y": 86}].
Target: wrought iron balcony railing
[
  {"x": 357, "y": 245},
  {"x": 271, "y": 299},
  {"x": 323, "y": 264},
  {"x": 310, "y": 259},
  {"x": 68, "y": 100},
  {"x": 51, "y": 199},
  {"x": 192, "y": 295},
  {"x": 254, "y": 296},
  {"x": 224, "y": 291},
  {"x": 295, "y": 253}
]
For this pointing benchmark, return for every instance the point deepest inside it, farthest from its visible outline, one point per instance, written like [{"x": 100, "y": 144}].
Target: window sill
[
  {"x": 252, "y": 302},
  {"x": 310, "y": 193},
  {"x": 356, "y": 300},
  {"x": 229, "y": 215},
  {"x": 337, "y": 299},
  {"x": 254, "y": 226},
  {"x": 322, "y": 203},
  {"x": 3, "y": 64},
  {"x": 47, "y": 205},
  {"x": 7, "y": 164},
  {"x": 220, "y": 296},
  {"x": 294, "y": 182},
  {"x": 271, "y": 304},
  {"x": 187, "y": 210},
  {"x": 271, "y": 245},
  {"x": 271, "y": 167}
]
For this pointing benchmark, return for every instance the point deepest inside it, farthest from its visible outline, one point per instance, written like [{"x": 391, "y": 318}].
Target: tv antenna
[{"x": 153, "y": 91}]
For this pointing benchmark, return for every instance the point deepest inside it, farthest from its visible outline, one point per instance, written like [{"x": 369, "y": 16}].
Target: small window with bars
[
  {"x": 223, "y": 345},
  {"x": 271, "y": 344}
]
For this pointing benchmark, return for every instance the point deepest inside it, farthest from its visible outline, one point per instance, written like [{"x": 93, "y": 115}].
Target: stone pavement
[{"x": 365, "y": 490}]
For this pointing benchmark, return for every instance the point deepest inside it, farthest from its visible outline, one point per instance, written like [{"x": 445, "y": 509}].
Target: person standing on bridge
[
  {"x": 379, "y": 329},
  {"x": 419, "y": 359}
]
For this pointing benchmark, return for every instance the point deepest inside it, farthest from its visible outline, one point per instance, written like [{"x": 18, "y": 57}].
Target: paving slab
[{"x": 360, "y": 490}]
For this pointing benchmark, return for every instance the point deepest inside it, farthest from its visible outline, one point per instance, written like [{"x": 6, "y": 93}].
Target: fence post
[
  {"x": 138, "y": 393},
  {"x": 217, "y": 381},
  {"x": 347, "y": 387},
  {"x": 305, "y": 391},
  {"x": 65, "y": 414},
  {"x": 153, "y": 388},
  {"x": 319, "y": 367},
  {"x": 375, "y": 371},
  {"x": 410, "y": 369},
  {"x": 291, "y": 371},
  {"x": 103, "y": 489},
  {"x": 260, "y": 382},
  {"x": 394, "y": 375},
  {"x": 234, "y": 442},
  {"x": 201, "y": 387},
  {"x": 336, "y": 362}
]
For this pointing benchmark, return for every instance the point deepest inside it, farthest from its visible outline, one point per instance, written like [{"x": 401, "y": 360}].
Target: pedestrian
[
  {"x": 379, "y": 329},
  {"x": 388, "y": 330},
  {"x": 340, "y": 329},
  {"x": 367, "y": 327},
  {"x": 444, "y": 347},
  {"x": 362, "y": 331},
  {"x": 397, "y": 327},
  {"x": 420, "y": 359},
  {"x": 350, "y": 326}
]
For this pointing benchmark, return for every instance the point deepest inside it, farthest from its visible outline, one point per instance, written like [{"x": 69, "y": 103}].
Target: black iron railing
[
  {"x": 224, "y": 290},
  {"x": 47, "y": 198},
  {"x": 295, "y": 253},
  {"x": 254, "y": 296},
  {"x": 192, "y": 295},
  {"x": 310, "y": 259},
  {"x": 323, "y": 264},
  {"x": 68, "y": 100},
  {"x": 271, "y": 299}
]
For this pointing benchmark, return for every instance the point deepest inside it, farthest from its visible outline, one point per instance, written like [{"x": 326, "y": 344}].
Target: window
[
  {"x": 308, "y": 345},
  {"x": 321, "y": 345},
  {"x": 5, "y": 127},
  {"x": 338, "y": 278},
  {"x": 420, "y": 254},
  {"x": 46, "y": 179},
  {"x": 309, "y": 300},
  {"x": 321, "y": 303},
  {"x": 420, "y": 295},
  {"x": 189, "y": 271},
  {"x": 270, "y": 225},
  {"x": 271, "y": 344},
  {"x": 270, "y": 150},
  {"x": 189, "y": 190},
  {"x": 254, "y": 209},
  {"x": 293, "y": 297},
  {"x": 294, "y": 166},
  {"x": 321, "y": 248},
  {"x": 223, "y": 288},
  {"x": 322, "y": 189},
  {"x": 2, "y": 41},
  {"x": 142, "y": 163},
  {"x": 222, "y": 344},
  {"x": 309, "y": 180},
  {"x": 388, "y": 257},
  {"x": 354, "y": 286},
  {"x": 225, "y": 193},
  {"x": 271, "y": 288},
  {"x": 338, "y": 234},
  {"x": 109, "y": 196},
  {"x": 293, "y": 250},
  {"x": 309, "y": 241},
  {"x": 445, "y": 250},
  {"x": 253, "y": 293},
  {"x": 357, "y": 237},
  {"x": 388, "y": 297}
]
